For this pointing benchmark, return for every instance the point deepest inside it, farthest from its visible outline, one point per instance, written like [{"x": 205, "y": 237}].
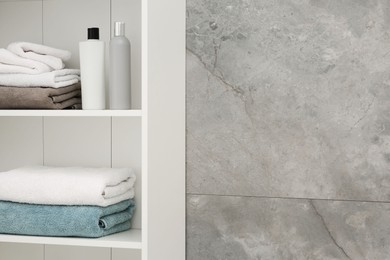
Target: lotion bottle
[
  {"x": 92, "y": 71},
  {"x": 120, "y": 69}
]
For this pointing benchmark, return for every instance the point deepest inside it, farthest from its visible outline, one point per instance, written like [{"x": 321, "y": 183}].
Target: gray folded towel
[{"x": 40, "y": 97}]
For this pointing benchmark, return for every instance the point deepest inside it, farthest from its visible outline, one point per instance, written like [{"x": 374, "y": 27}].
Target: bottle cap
[
  {"x": 93, "y": 33},
  {"x": 119, "y": 29}
]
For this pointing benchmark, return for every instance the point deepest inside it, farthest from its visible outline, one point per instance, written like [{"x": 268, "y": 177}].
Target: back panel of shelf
[
  {"x": 12, "y": 251},
  {"x": 73, "y": 141},
  {"x": 69, "y": 141},
  {"x": 88, "y": 141},
  {"x": 63, "y": 24}
]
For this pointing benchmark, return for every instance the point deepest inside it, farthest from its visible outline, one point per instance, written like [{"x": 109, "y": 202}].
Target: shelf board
[
  {"x": 77, "y": 113},
  {"x": 130, "y": 239}
]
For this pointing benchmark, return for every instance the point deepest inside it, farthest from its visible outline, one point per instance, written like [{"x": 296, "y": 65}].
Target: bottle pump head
[
  {"x": 119, "y": 29},
  {"x": 93, "y": 33}
]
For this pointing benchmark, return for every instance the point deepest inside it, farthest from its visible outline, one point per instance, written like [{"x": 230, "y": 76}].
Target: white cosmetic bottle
[
  {"x": 120, "y": 69},
  {"x": 92, "y": 71}
]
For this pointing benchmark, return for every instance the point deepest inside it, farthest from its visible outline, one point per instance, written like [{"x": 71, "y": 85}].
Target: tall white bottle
[
  {"x": 92, "y": 71},
  {"x": 120, "y": 69}
]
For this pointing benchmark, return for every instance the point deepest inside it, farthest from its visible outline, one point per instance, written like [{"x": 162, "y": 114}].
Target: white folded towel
[
  {"x": 50, "y": 56},
  {"x": 67, "y": 185},
  {"x": 11, "y": 63},
  {"x": 54, "y": 79}
]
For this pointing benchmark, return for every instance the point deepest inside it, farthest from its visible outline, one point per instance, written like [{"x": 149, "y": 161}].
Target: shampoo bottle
[
  {"x": 92, "y": 71},
  {"x": 120, "y": 69}
]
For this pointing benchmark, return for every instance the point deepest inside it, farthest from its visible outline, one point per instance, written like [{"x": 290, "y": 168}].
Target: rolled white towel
[
  {"x": 11, "y": 63},
  {"x": 67, "y": 185},
  {"x": 54, "y": 79},
  {"x": 50, "y": 56}
]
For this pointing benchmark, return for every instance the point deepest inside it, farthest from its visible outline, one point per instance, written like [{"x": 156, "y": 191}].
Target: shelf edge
[
  {"x": 75, "y": 113},
  {"x": 108, "y": 241}
]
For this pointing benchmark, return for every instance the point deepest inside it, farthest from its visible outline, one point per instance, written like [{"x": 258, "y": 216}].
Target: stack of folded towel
[
  {"x": 34, "y": 76},
  {"x": 66, "y": 201}
]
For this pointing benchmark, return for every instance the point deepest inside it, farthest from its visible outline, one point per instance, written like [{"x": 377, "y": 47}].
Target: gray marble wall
[{"x": 288, "y": 129}]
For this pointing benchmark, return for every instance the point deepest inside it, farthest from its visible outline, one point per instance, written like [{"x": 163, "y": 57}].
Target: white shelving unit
[{"x": 159, "y": 231}]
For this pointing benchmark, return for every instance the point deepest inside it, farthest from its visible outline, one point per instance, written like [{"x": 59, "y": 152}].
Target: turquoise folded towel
[{"x": 54, "y": 220}]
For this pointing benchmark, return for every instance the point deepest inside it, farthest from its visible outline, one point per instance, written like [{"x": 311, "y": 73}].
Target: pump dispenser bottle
[
  {"x": 92, "y": 71},
  {"x": 120, "y": 69}
]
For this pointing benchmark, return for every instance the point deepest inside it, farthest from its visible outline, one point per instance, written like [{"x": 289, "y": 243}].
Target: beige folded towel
[{"x": 40, "y": 97}]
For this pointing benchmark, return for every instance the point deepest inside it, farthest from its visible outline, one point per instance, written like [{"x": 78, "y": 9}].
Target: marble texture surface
[
  {"x": 231, "y": 228},
  {"x": 289, "y": 99}
]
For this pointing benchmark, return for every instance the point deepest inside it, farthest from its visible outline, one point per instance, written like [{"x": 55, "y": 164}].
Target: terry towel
[
  {"x": 80, "y": 221},
  {"x": 54, "y": 79},
  {"x": 50, "y": 56},
  {"x": 67, "y": 185},
  {"x": 11, "y": 63},
  {"x": 40, "y": 98}
]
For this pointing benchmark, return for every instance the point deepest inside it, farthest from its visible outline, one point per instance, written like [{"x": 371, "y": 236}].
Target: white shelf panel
[
  {"x": 130, "y": 239},
  {"x": 134, "y": 113}
]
